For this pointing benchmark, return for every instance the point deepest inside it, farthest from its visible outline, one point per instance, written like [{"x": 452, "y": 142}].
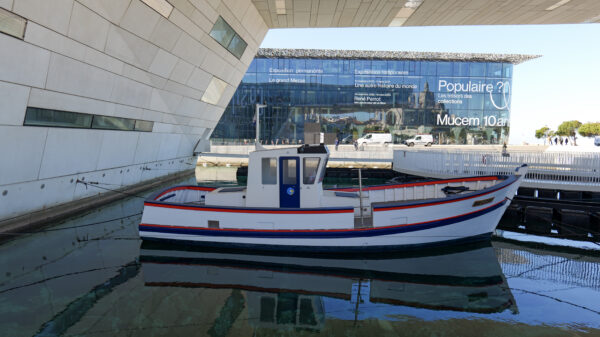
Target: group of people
[
  {"x": 337, "y": 144},
  {"x": 558, "y": 140},
  {"x": 275, "y": 141}
]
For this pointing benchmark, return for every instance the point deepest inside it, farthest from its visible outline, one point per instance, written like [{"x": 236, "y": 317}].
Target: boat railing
[
  {"x": 182, "y": 194},
  {"x": 557, "y": 168}
]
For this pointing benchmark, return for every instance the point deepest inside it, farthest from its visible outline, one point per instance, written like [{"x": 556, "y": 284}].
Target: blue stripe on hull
[
  {"x": 312, "y": 250},
  {"x": 319, "y": 234}
]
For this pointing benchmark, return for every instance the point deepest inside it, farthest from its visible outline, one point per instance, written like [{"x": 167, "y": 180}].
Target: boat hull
[{"x": 399, "y": 226}]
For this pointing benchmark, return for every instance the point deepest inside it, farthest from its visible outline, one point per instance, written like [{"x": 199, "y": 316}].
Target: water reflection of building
[
  {"x": 282, "y": 293},
  {"x": 345, "y": 94}
]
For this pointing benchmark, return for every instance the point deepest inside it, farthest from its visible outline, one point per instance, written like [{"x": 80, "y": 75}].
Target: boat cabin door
[{"x": 289, "y": 182}]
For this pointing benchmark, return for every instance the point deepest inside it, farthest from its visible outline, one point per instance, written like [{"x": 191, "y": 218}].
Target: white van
[
  {"x": 373, "y": 138},
  {"x": 426, "y": 140}
]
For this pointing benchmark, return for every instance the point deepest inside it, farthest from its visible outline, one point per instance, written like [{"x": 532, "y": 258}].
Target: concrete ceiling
[{"x": 381, "y": 13}]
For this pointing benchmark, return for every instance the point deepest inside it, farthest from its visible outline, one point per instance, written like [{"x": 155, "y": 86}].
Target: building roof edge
[{"x": 392, "y": 55}]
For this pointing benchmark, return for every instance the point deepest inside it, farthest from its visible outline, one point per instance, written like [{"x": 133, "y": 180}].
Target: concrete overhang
[{"x": 383, "y": 13}]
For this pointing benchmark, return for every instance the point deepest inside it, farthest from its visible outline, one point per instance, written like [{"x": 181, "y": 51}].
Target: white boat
[{"x": 284, "y": 207}]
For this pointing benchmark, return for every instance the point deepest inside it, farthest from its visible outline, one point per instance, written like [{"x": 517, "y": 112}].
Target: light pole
[{"x": 258, "y": 106}]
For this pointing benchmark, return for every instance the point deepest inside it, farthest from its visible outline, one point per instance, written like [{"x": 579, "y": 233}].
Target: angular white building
[{"x": 123, "y": 91}]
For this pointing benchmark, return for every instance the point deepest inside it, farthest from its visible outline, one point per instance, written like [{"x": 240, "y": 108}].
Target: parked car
[
  {"x": 426, "y": 140},
  {"x": 373, "y": 138}
]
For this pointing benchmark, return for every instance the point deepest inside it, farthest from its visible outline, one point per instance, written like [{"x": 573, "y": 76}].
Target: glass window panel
[
  {"x": 289, "y": 172},
  {"x": 460, "y": 69},
  {"x": 144, "y": 126},
  {"x": 346, "y": 80},
  {"x": 237, "y": 46},
  {"x": 252, "y": 67},
  {"x": 494, "y": 70},
  {"x": 380, "y": 66},
  {"x": 347, "y": 66},
  {"x": 214, "y": 91},
  {"x": 222, "y": 32},
  {"x": 476, "y": 102},
  {"x": 330, "y": 66},
  {"x": 269, "y": 171},
  {"x": 444, "y": 69},
  {"x": 12, "y": 24},
  {"x": 362, "y": 66},
  {"x": 161, "y": 6},
  {"x": 262, "y": 78},
  {"x": 249, "y": 78},
  {"x": 56, "y": 118},
  {"x": 428, "y": 68},
  {"x": 507, "y": 68},
  {"x": 314, "y": 65},
  {"x": 411, "y": 67},
  {"x": 282, "y": 64},
  {"x": 309, "y": 169},
  {"x": 113, "y": 123},
  {"x": 297, "y": 64},
  {"x": 396, "y": 67},
  {"x": 477, "y": 69},
  {"x": 262, "y": 65},
  {"x": 329, "y": 79}
]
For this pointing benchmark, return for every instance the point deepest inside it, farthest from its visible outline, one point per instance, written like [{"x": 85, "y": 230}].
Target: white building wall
[{"x": 116, "y": 58}]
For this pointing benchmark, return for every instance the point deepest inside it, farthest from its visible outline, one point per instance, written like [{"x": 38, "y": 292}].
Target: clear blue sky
[{"x": 560, "y": 85}]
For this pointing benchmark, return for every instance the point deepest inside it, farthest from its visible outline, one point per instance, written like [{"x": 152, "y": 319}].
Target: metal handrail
[{"x": 557, "y": 167}]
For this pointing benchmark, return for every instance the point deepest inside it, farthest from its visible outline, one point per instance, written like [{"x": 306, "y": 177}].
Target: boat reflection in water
[{"x": 304, "y": 292}]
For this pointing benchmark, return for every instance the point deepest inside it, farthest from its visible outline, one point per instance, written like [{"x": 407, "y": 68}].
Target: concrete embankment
[{"x": 32, "y": 221}]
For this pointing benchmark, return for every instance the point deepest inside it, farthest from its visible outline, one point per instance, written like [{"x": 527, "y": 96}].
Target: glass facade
[{"x": 311, "y": 99}]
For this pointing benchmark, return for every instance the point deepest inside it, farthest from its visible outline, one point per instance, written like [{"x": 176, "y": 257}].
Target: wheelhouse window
[
  {"x": 322, "y": 175},
  {"x": 289, "y": 172},
  {"x": 269, "y": 171},
  {"x": 309, "y": 169}
]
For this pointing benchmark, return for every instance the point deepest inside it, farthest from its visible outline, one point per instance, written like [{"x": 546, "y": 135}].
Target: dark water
[{"x": 91, "y": 276}]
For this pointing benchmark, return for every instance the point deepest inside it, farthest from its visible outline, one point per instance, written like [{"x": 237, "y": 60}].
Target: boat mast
[{"x": 258, "y": 106}]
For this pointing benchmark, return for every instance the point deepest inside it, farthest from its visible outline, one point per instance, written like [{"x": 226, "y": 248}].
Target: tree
[
  {"x": 542, "y": 133},
  {"x": 569, "y": 129},
  {"x": 589, "y": 129}
]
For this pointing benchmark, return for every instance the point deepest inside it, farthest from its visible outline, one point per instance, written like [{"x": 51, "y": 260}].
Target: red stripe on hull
[{"x": 319, "y": 230}]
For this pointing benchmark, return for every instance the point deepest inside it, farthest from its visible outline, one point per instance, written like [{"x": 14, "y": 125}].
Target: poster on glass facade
[{"x": 455, "y": 101}]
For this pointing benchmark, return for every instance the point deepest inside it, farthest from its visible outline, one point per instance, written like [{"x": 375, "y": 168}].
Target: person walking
[
  {"x": 337, "y": 143},
  {"x": 355, "y": 145},
  {"x": 566, "y": 140}
]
